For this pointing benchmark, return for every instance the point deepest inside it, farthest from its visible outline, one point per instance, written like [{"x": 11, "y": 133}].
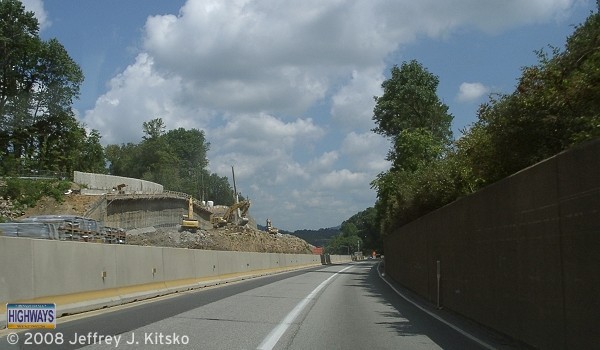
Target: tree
[
  {"x": 556, "y": 105},
  {"x": 418, "y": 123},
  {"x": 153, "y": 129},
  {"x": 367, "y": 229},
  {"x": 177, "y": 159},
  {"x": 92, "y": 157},
  {"x": 38, "y": 82},
  {"x": 410, "y": 101},
  {"x": 349, "y": 229},
  {"x": 191, "y": 148}
]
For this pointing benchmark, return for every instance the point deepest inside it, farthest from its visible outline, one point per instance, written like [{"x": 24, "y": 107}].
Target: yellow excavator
[
  {"x": 188, "y": 222},
  {"x": 228, "y": 217}
]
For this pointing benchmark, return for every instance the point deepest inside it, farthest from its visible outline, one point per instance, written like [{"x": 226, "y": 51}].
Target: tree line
[
  {"x": 39, "y": 132},
  {"x": 177, "y": 159},
  {"x": 555, "y": 106}
]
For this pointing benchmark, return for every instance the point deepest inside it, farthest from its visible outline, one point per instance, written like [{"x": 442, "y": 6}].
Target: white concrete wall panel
[
  {"x": 108, "y": 182},
  {"x": 70, "y": 267},
  {"x": 16, "y": 269},
  {"x": 206, "y": 263},
  {"x": 179, "y": 263},
  {"x": 139, "y": 265}
]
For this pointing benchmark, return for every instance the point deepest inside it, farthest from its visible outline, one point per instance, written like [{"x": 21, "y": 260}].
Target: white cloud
[
  {"x": 367, "y": 151},
  {"x": 352, "y": 105},
  {"x": 274, "y": 84},
  {"x": 37, "y": 6},
  {"x": 224, "y": 58},
  {"x": 137, "y": 95},
  {"x": 344, "y": 178},
  {"x": 325, "y": 161},
  {"x": 468, "y": 92}
]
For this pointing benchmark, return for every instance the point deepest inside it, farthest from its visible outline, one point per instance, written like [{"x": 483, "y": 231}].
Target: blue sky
[{"x": 284, "y": 90}]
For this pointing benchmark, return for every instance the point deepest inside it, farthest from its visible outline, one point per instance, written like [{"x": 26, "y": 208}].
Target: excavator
[
  {"x": 188, "y": 222},
  {"x": 228, "y": 217},
  {"x": 270, "y": 229}
]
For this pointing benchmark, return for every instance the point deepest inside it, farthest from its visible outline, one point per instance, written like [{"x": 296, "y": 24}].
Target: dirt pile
[{"x": 228, "y": 238}]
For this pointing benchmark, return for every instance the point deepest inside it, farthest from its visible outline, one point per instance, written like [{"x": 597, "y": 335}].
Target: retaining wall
[
  {"x": 106, "y": 183},
  {"x": 132, "y": 212},
  {"x": 80, "y": 276},
  {"x": 138, "y": 211},
  {"x": 521, "y": 256}
]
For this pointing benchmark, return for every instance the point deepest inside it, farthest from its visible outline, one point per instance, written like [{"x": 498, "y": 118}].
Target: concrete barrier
[
  {"x": 106, "y": 183},
  {"x": 80, "y": 276}
]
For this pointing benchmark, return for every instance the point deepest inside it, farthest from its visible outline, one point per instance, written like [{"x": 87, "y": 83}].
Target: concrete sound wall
[
  {"x": 80, "y": 276},
  {"x": 521, "y": 256},
  {"x": 107, "y": 182}
]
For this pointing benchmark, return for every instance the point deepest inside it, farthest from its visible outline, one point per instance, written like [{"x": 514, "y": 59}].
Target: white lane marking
[
  {"x": 271, "y": 340},
  {"x": 456, "y": 328}
]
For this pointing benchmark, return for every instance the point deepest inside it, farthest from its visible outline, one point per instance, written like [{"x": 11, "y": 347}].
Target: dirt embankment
[
  {"x": 74, "y": 204},
  {"x": 230, "y": 238}
]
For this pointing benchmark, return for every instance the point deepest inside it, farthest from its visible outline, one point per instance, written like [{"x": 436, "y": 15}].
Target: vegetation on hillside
[
  {"x": 318, "y": 238},
  {"x": 555, "y": 106},
  {"x": 25, "y": 193}
]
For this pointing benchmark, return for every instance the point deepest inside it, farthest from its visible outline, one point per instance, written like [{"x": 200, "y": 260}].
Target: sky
[{"x": 284, "y": 89}]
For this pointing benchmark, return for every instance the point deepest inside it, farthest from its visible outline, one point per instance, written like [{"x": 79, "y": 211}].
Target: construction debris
[
  {"x": 228, "y": 238},
  {"x": 8, "y": 209},
  {"x": 64, "y": 228}
]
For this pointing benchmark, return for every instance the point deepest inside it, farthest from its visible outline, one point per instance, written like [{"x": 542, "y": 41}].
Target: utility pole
[
  {"x": 235, "y": 196},
  {"x": 202, "y": 185}
]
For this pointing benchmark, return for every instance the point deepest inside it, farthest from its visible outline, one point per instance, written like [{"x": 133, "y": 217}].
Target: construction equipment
[
  {"x": 188, "y": 222},
  {"x": 270, "y": 229},
  {"x": 229, "y": 217}
]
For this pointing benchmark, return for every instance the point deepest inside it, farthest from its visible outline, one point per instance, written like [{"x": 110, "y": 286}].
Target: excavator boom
[
  {"x": 188, "y": 222},
  {"x": 219, "y": 221}
]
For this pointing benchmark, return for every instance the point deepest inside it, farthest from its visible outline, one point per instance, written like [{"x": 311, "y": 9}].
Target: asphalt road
[{"x": 331, "y": 307}]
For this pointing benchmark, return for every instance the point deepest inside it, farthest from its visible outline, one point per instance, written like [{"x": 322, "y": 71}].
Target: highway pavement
[{"x": 345, "y": 306}]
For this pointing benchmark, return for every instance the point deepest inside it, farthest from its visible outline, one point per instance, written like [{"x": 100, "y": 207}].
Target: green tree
[
  {"x": 177, "y": 159},
  {"x": 123, "y": 160},
  {"x": 348, "y": 229},
  {"x": 191, "y": 148},
  {"x": 38, "y": 82},
  {"x": 411, "y": 114},
  {"x": 218, "y": 189},
  {"x": 556, "y": 105},
  {"x": 153, "y": 129},
  {"x": 410, "y": 101},
  {"x": 367, "y": 229}
]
